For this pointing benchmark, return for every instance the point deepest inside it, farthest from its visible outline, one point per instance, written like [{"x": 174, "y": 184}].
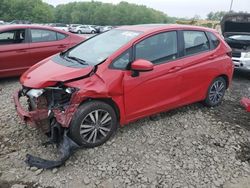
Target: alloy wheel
[
  {"x": 216, "y": 92},
  {"x": 95, "y": 126}
]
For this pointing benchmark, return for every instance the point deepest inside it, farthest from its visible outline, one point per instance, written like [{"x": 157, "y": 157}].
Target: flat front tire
[
  {"x": 216, "y": 92},
  {"x": 93, "y": 124}
]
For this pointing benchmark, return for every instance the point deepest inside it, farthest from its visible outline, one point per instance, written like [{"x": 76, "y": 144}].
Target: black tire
[
  {"x": 92, "y": 32},
  {"x": 79, "y": 32},
  {"x": 216, "y": 92},
  {"x": 83, "y": 127}
]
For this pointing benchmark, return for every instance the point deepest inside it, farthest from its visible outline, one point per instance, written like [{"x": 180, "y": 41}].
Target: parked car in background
[
  {"x": 1, "y": 22},
  {"x": 72, "y": 26},
  {"x": 122, "y": 75},
  {"x": 20, "y": 22},
  {"x": 21, "y": 46},
  {"x": 105, "y": 28},
  {"x": 83, "y": 29},
  {"x": 97, "y": 28},
  {"x": 236, "y": 30},
  {"x": 60, "y": 26}
]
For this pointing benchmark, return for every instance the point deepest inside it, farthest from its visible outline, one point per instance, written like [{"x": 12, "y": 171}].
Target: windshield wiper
[{"x": 81, "y": 61}]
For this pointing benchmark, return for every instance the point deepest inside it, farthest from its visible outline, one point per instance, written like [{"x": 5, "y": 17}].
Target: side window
[
  {"x": 195, "y": 42},
  {"x": 12, "y": 37},
  {"x": 214, "y": 40},
  {"x": 158, "y": 48},
  {"x": 123, "y": 60},
  {"x": 60, "y": 36},
  {"x": 41, "y": 35}
]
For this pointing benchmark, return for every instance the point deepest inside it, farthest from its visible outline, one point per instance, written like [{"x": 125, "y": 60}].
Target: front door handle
[{"x": 174, "y": 69}]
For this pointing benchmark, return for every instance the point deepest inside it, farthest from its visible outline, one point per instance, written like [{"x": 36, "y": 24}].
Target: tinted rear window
[{"x": 195, "y": 42}]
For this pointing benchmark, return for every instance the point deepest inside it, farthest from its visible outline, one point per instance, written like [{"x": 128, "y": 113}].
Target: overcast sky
[{"x": 180, "y": 8}]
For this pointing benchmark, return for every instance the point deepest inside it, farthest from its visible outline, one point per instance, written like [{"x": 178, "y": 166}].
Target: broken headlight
[{"x": 35, "y": 93}]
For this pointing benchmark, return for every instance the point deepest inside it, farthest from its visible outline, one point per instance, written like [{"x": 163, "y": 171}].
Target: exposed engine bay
[{"x": 236, "y": 30}]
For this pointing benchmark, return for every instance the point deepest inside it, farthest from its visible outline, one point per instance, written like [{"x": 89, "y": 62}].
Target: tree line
[{"x": 92, "y": 12}]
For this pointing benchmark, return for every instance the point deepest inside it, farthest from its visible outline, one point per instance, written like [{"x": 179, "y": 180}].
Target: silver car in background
[{"x": 83, "y": 29}]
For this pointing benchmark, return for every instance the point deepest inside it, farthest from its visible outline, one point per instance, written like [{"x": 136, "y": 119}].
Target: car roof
[
  {"x": 25, "y": 26},
  {"x": 148, "y": 28}
]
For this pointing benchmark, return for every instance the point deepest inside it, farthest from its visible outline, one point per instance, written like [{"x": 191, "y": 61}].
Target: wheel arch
[
  {"x": 108, "y": 101},
  {"x": 225, "y": 77}
]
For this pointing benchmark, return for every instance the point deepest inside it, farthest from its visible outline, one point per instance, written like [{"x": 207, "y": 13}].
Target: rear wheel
[
  {"x": 216, "y": 92},
  {"x": 79, "y": 32},
  {"x": 93, "y": 124},
  {"x": 92, "y": 32}
]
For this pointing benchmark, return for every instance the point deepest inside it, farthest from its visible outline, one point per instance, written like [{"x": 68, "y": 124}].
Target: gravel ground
[{"x": 189, "y": 147}]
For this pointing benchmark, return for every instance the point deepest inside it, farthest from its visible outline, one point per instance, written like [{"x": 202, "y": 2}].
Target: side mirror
[{"x": 141, "y": 65}]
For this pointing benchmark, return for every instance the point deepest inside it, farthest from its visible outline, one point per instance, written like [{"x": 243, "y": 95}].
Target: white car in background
[
  {"x": 60, "y": 26},
  {"x": 106, "y": 28},
  {"x": 73, "y": 26},
  {"x": 83, "y": 29}
]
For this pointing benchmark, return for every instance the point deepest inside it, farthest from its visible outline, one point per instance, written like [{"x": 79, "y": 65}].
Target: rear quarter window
[
  {"x": 61, "y": 36},
  {"x": 214, "y": 40}
]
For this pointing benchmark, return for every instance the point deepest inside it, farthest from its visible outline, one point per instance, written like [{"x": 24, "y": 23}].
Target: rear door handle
[
  {"x": 174, "y": 69},
  {"x": 62, "y": 46},
  {"x": 212, "y": 57}
]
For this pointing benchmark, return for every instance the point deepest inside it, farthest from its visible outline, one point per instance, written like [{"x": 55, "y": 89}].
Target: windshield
[
  {"x": 240, "y": 37},
  {"x": 99, "y": 48}
]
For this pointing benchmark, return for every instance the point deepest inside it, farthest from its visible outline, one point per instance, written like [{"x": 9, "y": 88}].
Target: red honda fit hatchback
[{"x": 123, "y": 75}]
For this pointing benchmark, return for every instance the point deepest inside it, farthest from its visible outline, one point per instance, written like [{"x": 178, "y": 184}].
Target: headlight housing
[
  {"x": 247, "y": 55},
  {"x": 35, "y": 93}
]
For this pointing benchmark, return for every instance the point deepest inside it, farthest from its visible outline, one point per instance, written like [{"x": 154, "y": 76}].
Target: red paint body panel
[
  {"x": 169, "y": 85},
  {"x": 17, "y": 58},
  {"x": 51, "y": 73}
]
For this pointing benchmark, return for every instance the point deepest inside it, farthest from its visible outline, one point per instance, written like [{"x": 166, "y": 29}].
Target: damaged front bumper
[
  {"x": 53, "y": 120},
  {"x": 33, "y": 117},
  {"x": 29, "y": 117}
]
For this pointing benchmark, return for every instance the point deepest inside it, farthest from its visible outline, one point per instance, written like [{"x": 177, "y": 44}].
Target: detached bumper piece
[
  {"x": 245, "y": 102},
  {"x": 66, "y": 148}
]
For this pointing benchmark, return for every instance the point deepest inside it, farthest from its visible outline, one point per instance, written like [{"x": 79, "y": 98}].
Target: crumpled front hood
[{"x": 47, "y": 73}]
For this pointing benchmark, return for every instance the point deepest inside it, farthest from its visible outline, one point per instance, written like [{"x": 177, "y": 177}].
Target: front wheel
[
  {"x": 93, "y": 124},
  {"x": 216, "y": 92},
  {"x": 79, "y": 32}
]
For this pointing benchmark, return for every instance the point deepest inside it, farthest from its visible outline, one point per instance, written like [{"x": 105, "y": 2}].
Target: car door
[
  {"x": 45, "y": 43},
  {"x": 14, "y": 52},
  {"x": 156, "y": 90},
  {"x": 199, "y": 64}
]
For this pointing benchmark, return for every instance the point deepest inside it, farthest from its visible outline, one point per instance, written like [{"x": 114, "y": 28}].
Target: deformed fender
[
  {"x": 65, "y": 117},
  {"x": 95, "y": 87}
]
